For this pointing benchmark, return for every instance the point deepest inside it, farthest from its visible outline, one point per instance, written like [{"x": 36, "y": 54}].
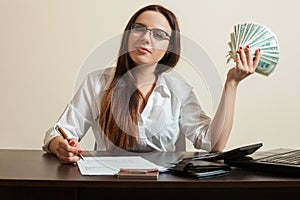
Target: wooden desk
[{"x": 32, "y": 174}]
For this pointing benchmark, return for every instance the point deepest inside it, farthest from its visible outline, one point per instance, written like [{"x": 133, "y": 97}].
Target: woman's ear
[{"x": 170, "y": 48}]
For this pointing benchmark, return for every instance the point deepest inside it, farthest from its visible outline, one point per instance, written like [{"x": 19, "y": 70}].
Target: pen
[{"x": 62, "y": 132}]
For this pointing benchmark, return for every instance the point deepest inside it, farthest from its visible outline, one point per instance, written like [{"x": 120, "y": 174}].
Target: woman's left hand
[{"x": 245, "y": 65}]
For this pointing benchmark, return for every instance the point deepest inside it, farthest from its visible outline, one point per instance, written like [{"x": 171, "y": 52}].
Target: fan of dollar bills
[{"x": 256, "y": 36}]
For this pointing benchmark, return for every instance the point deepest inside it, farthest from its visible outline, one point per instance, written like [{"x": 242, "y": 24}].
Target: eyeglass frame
[{"x": 168, "y": 36}]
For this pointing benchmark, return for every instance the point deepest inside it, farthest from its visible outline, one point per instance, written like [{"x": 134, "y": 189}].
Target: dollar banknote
[{"x": 256, "y": 36}]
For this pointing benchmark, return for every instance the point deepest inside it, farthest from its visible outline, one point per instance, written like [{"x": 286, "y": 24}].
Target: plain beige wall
[{"x": 44, "y": 43}]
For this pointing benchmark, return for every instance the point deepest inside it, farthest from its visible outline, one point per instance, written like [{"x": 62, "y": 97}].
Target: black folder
[
  {"x": 209, "y": 165},
  {"x": 199, "y": 169}
]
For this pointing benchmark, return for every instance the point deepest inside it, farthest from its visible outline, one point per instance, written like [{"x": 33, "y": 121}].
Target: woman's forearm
[{"x": 222, "y": 123}]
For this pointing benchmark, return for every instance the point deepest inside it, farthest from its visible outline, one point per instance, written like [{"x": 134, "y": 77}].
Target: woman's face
[{"x": 148, "y": 40}]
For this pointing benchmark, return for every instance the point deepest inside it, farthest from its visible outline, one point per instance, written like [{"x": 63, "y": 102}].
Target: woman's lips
[{"x": 143, "y": 50}]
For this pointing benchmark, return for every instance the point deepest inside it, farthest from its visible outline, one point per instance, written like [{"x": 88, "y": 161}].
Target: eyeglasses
[{"x": 158, "y": 34}]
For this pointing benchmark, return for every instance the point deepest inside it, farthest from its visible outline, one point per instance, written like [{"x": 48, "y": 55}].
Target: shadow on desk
[{"x": 72, "y": 193}]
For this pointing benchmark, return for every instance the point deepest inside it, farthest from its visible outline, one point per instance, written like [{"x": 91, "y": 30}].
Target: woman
[{"x": 138, "y": 105}]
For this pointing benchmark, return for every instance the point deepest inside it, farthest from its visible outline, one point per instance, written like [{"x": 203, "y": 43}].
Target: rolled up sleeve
[{"x": 195, "y": 123}]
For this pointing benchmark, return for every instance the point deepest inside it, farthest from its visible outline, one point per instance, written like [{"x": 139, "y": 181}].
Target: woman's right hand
[{"x": 66, "y": 151}]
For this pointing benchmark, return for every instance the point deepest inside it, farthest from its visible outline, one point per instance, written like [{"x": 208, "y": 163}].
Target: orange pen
[{"x": 65, "y": 136}]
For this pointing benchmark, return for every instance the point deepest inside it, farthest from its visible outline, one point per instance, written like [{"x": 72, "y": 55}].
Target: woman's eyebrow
[{"x": 161, "y": 28}]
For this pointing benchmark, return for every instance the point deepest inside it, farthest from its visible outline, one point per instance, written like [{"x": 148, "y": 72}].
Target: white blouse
[{"x": 171, "y": 114}]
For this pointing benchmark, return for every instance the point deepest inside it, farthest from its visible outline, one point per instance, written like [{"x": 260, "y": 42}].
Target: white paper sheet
[{"x": 111, "y": 165}]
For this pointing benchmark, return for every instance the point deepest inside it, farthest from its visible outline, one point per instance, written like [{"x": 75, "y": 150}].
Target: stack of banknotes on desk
[{"x": 255, "y": 36}]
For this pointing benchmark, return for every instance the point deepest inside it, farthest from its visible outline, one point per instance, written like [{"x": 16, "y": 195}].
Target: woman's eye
[
  {"x": 158, "y": 35},
  {"x": 140, "y": 30}
]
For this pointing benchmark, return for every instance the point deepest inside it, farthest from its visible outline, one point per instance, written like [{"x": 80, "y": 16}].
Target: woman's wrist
[
  {"x": 231, "y": 83},
  {"x": 53, "y": 144}
]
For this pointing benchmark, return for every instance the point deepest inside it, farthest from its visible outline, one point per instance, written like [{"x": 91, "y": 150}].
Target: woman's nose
[{"x": 146, "y": 37}]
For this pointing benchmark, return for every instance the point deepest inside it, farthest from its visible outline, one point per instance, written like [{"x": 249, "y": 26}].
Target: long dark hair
[{"x": 119, "y": 107}]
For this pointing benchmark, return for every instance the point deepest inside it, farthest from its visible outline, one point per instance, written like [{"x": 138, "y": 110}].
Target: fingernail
[
  {"x": 247, "y": 47},
  {"x": 72, "y": 143},
  {"x": 258, "y": 49},
  {"x": 80, "y": 151},
  {"x": 241, "y": 48}
]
